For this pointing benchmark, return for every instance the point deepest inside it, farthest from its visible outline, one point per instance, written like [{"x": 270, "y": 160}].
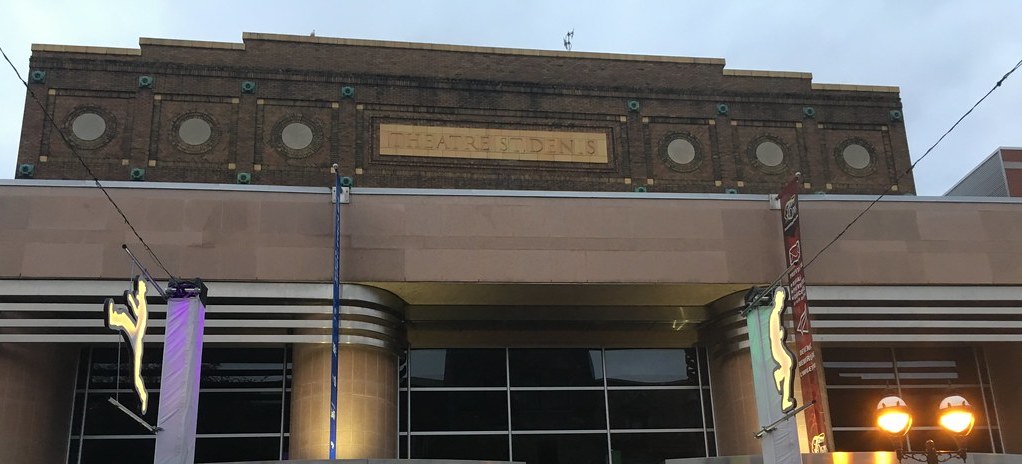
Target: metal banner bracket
[
  {"x": 151, "y": 428},
  {"x": 773, "y": 426},
  {"x": 345, "y": 195}
]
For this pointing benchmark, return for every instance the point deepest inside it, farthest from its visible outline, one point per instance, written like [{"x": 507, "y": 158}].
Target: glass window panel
[
  {"x": 983, "y": 368},
  {"x": 230, "y": 412},
  {"x": 556, "y": 367},
  {"x": 242, "y": 368},
  {"x": 402, "y": 370},
  {"x": 461, "y": 410},
  {"x": 654, "y": 409},
  {"x": 862, "y": 440},
  {"x": 76, "y": 418},
  {"x": 855, "y": 407},
  {"x": 402, "y": 402},
  {"x": 289, "y": 367},
  {"x": 120, "y": 451},
  {"x": 654, "y": 448},
  {"x": 704, "y": 366},
  {"x": 858, "y": 366},
  {"x": 708, "y": 408},
  {"x": 651, "y": 367},
  {"x": 105, "y": 369},
  {"x": 83, "y": 369},
  {"x": 402, "y": 443},
  {"x": 990, "y": 403},
  {"x": 998, "y": 447},
  {"x": 712, "y": 440},
  {"x": 457, "y": 368},
  {"x": 72, "y": 451},
  {"x": 558, "y": 410},
  {"x": 237, "y": 449},
  {"x": 468, "y": 447},
  {"x": 103, "y": 418},
  {"x": 936, "y": 366},
  {"x": 287, "y": 412},
  {"x": 560, "y": 448}
]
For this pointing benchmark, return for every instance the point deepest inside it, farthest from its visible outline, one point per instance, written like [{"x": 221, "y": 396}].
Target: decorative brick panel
[{"x": 299, "y": 79}]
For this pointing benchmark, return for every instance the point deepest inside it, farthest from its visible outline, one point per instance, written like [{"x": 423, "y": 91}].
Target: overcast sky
[{"x": 944, "y": 55}]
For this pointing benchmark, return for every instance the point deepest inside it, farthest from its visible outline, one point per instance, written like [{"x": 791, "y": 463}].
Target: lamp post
[{"x": 894, "y": 418}]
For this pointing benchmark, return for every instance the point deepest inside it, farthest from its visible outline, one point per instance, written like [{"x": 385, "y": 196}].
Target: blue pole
[{"x": 335, "y": 334}]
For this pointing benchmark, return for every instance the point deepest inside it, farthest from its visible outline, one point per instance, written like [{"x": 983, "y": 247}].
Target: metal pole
[{"x": 335, "y": 333}]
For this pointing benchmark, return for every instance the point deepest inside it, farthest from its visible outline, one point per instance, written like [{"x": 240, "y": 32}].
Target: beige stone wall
[
  {"x": 73, "y": 233},
  {"x": 36, "y": 393},
  {"x": 367, "y": 403}
]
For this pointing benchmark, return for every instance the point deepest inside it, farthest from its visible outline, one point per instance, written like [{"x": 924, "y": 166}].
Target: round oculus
[
  {"x": 88, "y": 126},
  {"x": 296, "y": 136},
  {"x": 195, "y": 131},
  {"x": 770, "y": 154},
  {"x": 681, "y": 151},
  {"x": 856, "y": 156}
]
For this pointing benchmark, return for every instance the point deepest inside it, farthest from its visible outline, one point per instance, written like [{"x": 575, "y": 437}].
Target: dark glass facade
[
  {"x": 542, "y": 406},
  {"x": 243, "y": 406},
  {"x": 553, "y": 406}
]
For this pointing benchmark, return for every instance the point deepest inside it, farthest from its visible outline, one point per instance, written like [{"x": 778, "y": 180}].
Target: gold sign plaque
[{"x": 501, "y": 144}]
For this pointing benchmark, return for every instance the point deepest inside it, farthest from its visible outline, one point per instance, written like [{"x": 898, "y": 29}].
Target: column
[
  {"x": 37, "y": 382},
  {"x": 734, "y": 404},
  {"x": 367, "y": 386},
  {"x": 366, "y": 397}
]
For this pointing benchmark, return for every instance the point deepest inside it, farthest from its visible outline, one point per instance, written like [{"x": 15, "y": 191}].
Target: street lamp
[
  {"x": 955, "y": 415},
  {"x": 893, "y": 416}
]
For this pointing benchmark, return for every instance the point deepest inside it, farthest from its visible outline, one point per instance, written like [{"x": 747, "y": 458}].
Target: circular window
[
  {"x": 681, "y": 151},
  {"x": 766, "y": 153},
  {"x": 195, "y": 131},
  {"x": 296, "y": 136},
  {"x": 770, "y": 154},
  {"x": 88, "y": 126},
  {"x": 856, "y": 156}
]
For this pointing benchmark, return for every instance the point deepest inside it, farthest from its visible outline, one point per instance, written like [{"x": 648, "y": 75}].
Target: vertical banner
[
  {"x": 808, "y": 361},
  {"x": 335, "y": 336},
  {"x": 179, "y": 384},
  {"x": 773, "y": 375}
]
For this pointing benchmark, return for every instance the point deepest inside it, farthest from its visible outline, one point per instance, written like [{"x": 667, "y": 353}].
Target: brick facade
[{"x": 640, "y": 103}]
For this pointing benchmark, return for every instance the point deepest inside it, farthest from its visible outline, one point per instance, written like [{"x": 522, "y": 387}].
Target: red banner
[{"x": 808, "y": 360}]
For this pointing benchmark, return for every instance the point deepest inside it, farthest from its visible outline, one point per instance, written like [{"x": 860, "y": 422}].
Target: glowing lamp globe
[
  {"x": 893, "y": 416},
  {"x": 956, "y": 415}
]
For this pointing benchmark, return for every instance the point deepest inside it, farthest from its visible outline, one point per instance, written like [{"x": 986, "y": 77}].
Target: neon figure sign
[
  {"x": 132, "y": 323},
  {"x": 784, "y": 372}
]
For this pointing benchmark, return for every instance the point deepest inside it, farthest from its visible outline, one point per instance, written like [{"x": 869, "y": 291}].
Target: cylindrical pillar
[
  {"x": 367, "y": 388},
  {"x": 36, "y": 393},
  {"x": 366, "y": 403},
  {"x": 734, "y": 404}
]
